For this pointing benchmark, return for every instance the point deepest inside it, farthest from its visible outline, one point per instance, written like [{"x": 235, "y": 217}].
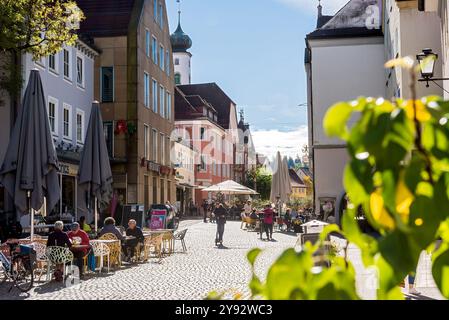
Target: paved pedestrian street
[{"x": 192, "y": 275}]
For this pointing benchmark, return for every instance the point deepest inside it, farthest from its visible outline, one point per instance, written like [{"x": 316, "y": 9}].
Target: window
[
  {"x": 80, "y": 126},
  {"x": 79, "y": 71},
  {"x": 108, "y": 130},
  {"x": 154, "y": 50},
  {"x": 169, "y": 106},
  {"x": 155, "y": 9},
  {"x": 177, "y": 78},
  {"x": 202, "y": 133},
  {"x": 161, "y": 16},
  {"x": 168, "y": 146},
  {"x": 146, "y": 136},
  {"x": 177, "y": 62},
  {"x": 53, "y": 63},
  {"x": 154, "y": 145},
  {"x": 107, "y": 84},
  {"x": 161, "y": 57},
  {"x": 155, "y": 95},
  {"x": 66, "y": 121},
  {"x": 162, "y": 149},
  {"x": 67, "y": 70},
  {"x": 162, "y": 101},
  {"x": 146, "y": 89},
  {"x": 147, "y": 42},
  {"x": 204, "y": 111},
  {"x": 52, "y": 116},
  {"x": 203, "y": 163},
  {"x": 167, "y": 63}
]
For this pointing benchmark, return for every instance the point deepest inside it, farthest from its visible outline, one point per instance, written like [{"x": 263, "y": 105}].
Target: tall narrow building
[
  {"x": 134, "y": 81},
  {"x": 181, "y": 42}
]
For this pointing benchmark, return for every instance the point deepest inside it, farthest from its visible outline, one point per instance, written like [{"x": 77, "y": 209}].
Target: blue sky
[{"x": 254, "y": 49}]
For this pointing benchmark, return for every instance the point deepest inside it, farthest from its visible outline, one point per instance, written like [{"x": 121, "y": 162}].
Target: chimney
[{"x": 320, "y": 9}]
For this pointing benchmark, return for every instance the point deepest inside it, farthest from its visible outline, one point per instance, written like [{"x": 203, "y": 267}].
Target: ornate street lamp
[{"x": 427, "y": 60}]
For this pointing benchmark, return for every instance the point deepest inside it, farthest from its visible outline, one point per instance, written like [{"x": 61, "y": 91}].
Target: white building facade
[
  {"x": 344, "y": 60},
  {"x": 68, "y": 85}
]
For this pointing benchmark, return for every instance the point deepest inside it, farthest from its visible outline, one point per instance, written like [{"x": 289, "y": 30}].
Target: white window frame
[
  {"x": 54, "y": 70},
  {"x": 146, "y": 90},
  {"x": 81, "y": 113},
  {"x": 83, "y": 67},
  {"x": 68, "y": 107},
  {"x": 56, "y": 103},
  {"x": 155, "y": 92},
  {"x": 154, "y": 143},
  {"x": 146, "y": 134},
  {"x": 69, "y": 77}
]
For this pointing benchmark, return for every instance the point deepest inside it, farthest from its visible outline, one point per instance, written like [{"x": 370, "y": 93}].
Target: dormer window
[
  {"x": 215, "y": 118},
  {"x": 204, "y": 111}
]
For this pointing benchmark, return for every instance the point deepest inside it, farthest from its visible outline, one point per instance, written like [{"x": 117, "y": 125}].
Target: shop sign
[{"x": 68, "y": 169}]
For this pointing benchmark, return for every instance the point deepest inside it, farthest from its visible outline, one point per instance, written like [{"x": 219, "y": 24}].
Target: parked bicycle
[{"x": 19, "y": 267}]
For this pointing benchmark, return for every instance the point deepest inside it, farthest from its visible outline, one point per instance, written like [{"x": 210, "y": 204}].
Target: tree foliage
[
  {"x": 262, "y": 180},
  {"x": 39, "y": 27}
]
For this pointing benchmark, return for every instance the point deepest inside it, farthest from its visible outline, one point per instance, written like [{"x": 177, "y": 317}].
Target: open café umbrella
[
  {"x": 30, "y": 169},
  {"x": 230, "y": 187},
  {"x": 95, "y": 175}
]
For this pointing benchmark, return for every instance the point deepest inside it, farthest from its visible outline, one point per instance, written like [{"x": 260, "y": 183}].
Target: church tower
[{"x": 181, "y": 42}]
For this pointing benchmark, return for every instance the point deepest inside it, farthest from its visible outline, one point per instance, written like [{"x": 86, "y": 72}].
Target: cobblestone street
[
  {"x": 193, "y": 275},
  {"x": 202, "y": 269}
]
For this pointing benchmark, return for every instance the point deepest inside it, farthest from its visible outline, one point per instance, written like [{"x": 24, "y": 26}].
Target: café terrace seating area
[{"x": 106, "y": 253}]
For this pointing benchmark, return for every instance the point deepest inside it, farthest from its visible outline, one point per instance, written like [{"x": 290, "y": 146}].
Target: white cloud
[
  {"x": 330, "y": 7},
  {"x": 269, "y": 142}
]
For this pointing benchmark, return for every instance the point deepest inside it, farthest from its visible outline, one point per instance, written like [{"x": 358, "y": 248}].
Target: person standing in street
[
  {"x": 268, "y": 217},
  {"x": 220, "y": 215}
]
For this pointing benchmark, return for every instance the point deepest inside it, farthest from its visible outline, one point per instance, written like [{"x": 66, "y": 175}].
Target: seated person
[
  {"x": 80, "y": 245},
  {"x": 254, "y": 215},
  {"x": 109, "y": 227},
  {"x": 84, "y": 226},
  {"x": 58, "y": 238},
  {"x": 131, "y": 245}
]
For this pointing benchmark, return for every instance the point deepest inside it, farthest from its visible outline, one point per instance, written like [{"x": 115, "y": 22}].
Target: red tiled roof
[{"x": 106, "y": 18}]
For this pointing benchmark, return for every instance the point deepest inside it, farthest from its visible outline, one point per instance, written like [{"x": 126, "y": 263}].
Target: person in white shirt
[{"x": 248, "y": 208}]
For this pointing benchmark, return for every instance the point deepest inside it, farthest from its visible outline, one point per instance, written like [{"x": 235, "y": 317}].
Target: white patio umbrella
[{"x": 230, "y": 187}]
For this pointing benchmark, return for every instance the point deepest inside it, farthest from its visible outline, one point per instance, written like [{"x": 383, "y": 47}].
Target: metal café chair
[{"x": 179, "y": 236}]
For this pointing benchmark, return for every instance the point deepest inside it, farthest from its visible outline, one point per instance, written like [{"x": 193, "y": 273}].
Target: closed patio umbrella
[
  {"x": 95, "y": 175},
  {"x": 30, "y": 169},
  {"x": 281, "y": 187}
]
